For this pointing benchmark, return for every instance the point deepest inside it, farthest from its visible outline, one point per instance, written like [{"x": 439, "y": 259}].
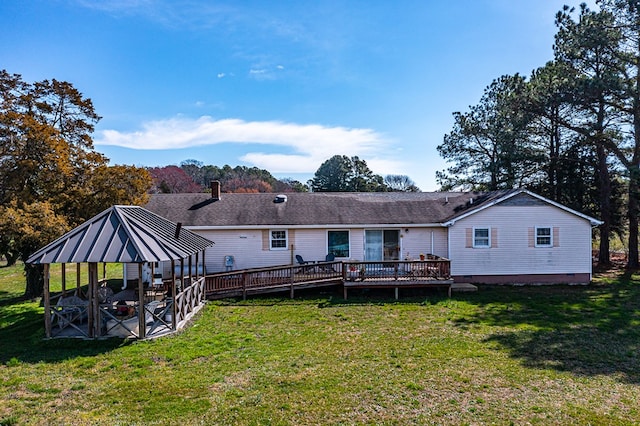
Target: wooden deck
[{"x": 394, "y": 274}]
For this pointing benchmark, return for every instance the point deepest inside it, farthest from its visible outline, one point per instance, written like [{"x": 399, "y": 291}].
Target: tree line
[
  {"x": 339, "y": 173},
  {"x": 570, "y": 131}
]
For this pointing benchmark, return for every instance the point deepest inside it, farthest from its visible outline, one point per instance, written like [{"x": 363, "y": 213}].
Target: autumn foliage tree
[
  {"x": 239, "y": 178},
  {"x": 51, "y": 178},
  {"x": 172, "y": 180}
]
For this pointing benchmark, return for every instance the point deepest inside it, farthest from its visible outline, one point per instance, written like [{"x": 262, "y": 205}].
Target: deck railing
[
  {"x": 291, "y": 276},
  {"x": 400, "y": 270},
  {"x": 286, "y": 276}
]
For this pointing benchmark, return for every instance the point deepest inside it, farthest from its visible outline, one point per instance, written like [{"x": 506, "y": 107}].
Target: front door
[{"x": 380, "y": 245}]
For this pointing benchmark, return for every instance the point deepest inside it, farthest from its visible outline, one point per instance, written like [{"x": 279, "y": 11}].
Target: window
[
  {"x": 481, "y": 238},
  {"x": 278, "y": 240},
  {"x": 338, "y": 243},
  {"x": 544, "y": 237}
]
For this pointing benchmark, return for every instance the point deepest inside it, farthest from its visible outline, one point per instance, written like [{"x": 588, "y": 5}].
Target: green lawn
[{"x": 520, "y": 355}]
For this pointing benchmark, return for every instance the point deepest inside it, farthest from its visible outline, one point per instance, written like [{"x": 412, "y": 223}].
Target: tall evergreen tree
[
  {"x": 625, "y": 16},
  {"x": 585, "y": 49},
  {"x": 488, "y": 144},
  {"x": 343, "y": 174}
]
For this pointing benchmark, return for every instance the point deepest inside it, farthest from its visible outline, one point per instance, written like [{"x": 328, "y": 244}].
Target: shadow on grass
[
  {"x": 22, "y": 337},
  {"x": 592, "y": 330},
  {"x": 333, "y": 297}
]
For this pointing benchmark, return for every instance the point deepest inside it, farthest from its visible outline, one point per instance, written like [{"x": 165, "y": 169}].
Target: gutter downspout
[{"x": 432, "y": 252}]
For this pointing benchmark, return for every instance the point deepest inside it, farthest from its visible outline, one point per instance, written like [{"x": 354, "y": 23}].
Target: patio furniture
[
  {"x": 329, "y": 258},
  {"x": 307, "y": 265},
  {"x": 69, "y": 310}
]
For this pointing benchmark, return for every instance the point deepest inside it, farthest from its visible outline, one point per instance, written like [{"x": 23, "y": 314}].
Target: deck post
[
  {"x": 47, "y": 302},
  {"x": 396, "y": 291},
  {"x": 245, "y": 277},
  {"x": 291, "y": 280}
]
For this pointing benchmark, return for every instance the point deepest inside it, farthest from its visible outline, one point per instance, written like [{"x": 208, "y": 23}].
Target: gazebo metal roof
[{"x": 126, "y": 234}]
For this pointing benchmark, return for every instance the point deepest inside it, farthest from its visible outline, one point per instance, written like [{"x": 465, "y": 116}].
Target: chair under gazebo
[{"x": 129, "y": 235}]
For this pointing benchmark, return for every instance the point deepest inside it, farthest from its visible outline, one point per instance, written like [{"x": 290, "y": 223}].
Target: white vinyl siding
[
  {"x": 425, "y": 241},
  {"x": 251, "y": 248},
  {"x": 515, "y": 252}
]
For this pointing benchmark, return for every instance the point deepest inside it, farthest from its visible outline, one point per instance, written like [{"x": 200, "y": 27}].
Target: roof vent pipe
[
  {"x": 470, "y": 200},
  {"x": 215, "y": 189},
  {"x": 178, "y": 228}
]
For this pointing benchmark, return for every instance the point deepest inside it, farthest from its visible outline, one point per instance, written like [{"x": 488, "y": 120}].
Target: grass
[{"x": 504, "y": 355}]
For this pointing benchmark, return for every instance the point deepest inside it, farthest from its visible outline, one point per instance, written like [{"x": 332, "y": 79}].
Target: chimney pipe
[
  {"x": 178, "y": 228},
  {"x": 215, "y": 189}
]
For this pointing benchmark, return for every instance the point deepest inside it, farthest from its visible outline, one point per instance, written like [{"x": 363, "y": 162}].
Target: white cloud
[
  {"x": 221, "y": 75},
  {"x": 305, "y": 146}
]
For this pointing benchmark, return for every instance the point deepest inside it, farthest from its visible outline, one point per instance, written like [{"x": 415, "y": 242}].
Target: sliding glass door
[{"x": 380, "y": 245}]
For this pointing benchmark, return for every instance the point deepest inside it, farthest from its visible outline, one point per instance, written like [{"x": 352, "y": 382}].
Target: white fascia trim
[
  {"x": 323, "y": 226},
  {"x": 592, "y": 221}
]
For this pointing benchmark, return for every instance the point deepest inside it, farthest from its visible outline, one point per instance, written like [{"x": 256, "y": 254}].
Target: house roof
[
  {"x": 331, "y": 208},
  {"x": 501, "y": 197},
  {"x": 128, "y": 234},
  {"x": 308, "y": 209}
]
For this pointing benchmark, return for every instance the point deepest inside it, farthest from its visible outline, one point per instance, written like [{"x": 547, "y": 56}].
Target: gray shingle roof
[
  {"x": 319, "y": 208},
  {"x": 127, "y": 234}
]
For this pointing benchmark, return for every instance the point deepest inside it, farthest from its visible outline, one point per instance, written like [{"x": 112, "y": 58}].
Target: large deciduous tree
[
  {"x": 172, "y": 180},
  {"x": 51, "y": 178},
  {"x": 400, "y": 183}
]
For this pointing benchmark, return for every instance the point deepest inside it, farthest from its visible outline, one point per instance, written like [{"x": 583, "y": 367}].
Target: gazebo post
[
  {"x": 181, "y": 286},
  {"x": 141, "y": 311},
  {"x": 47, "y": 302},
  {"x": 204, "y": 275},
  {"x": 197, "y": 263},
  {"x": 64, "y": 279},
  {"x": 173, "y": 294},
  {"x": 92, "y": 322},
  {"x": 78, "y": 279}
]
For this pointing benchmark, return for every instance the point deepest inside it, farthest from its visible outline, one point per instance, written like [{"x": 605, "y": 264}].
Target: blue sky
[{"x": 279, "y": 85}]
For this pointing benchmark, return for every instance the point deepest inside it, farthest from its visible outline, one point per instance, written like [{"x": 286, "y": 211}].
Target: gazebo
[{"x": 132, "y": 236}]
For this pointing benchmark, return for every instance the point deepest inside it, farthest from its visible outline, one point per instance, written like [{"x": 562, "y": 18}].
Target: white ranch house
[{"x": 513, "y": 236}]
